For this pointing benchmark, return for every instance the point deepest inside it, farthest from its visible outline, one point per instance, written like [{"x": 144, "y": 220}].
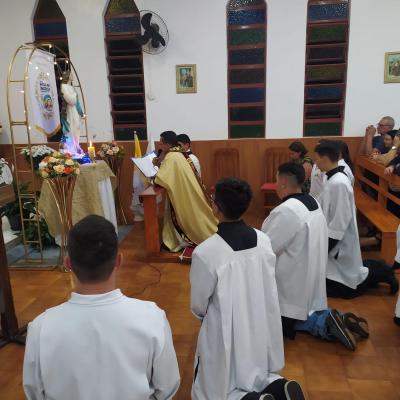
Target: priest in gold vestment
[{"x": 188, "y": 218}]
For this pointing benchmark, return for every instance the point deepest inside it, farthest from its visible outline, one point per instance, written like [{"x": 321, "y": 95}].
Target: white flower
[
  {"x": 115, "y": 149},
  {"x": 59, "y": 169},
  {"x": 53, "y": 160},
  {"x": 42, "y": 165},
  {"x": 69, "y": 162},
  {"x": 110, "y": 152},
  {"x": 44, "y": 174}
]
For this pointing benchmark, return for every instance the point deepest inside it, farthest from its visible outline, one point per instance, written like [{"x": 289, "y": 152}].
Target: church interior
[{"x": 88, "y": 86}]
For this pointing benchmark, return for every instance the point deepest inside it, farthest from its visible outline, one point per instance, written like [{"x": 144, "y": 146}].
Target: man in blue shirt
[{"x": 375, "y": 144}]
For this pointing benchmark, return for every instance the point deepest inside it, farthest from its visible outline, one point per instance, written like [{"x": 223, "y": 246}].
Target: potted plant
[{"x": 39, "y": 152}]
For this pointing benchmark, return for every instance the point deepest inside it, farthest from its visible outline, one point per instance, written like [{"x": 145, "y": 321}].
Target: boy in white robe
[
  {"x": 347, "y": 277},
  {"x": 233, "y": 291},
  {"x": 299, "y": 238},
  {"x": 318, "y": 178},
  {"x": 184, "y": 141},
  {"x": 100, "y": 344}
]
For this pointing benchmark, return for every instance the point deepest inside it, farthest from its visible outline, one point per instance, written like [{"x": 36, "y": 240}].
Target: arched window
[
  {"x": 50, "y": 27},
  {"x": 125, "y": 69},
  {"x": 247, "y": 27},
  {"x": 326, "y": 67}
]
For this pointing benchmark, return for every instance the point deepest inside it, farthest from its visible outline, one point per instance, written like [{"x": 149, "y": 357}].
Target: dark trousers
[
  {"x": 378, "y": 272},
  {"x": 276, "y": 388}
]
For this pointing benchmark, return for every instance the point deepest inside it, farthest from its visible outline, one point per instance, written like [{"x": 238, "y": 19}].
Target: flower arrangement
[
  {"x": 39, "y": 152},
  {"x": 3, "y": 162},
  {"x": 111, "y": 149},
  {"x": 58, "y": 165}
]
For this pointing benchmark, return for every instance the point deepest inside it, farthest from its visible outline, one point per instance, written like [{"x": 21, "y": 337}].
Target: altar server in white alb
[
  {"x": 233, "y": 292},
  {"x": 299, "y": 238},
  {"x": 347, "y": 277},
  {"x": 185, "y": 142},
  {"x": 318, "y": 178},
  {"x": 100, "y": 344}
]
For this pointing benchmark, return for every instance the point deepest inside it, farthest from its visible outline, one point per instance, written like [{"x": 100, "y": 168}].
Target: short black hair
[
  {"x": 344, "y": 152},
  {"x": 329, "y": 149},
  {"x": 298, "y": 147},
  {"x": 93, "y": 248},
  {"x": 183, "y": 138},
  {"x": 169, "y": 137},
  {"x": 293, "y": 170},
  {"x": 233, "y": 197}
]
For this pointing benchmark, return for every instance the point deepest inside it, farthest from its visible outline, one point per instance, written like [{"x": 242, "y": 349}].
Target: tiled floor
[{"x": 327, "y": 371}]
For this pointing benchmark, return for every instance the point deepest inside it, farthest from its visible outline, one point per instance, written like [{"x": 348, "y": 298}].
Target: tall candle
[{"x": 92, "y": 151}]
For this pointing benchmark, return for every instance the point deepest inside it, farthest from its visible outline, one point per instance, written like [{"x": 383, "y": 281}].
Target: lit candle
[{"x": 92, "y": 151}]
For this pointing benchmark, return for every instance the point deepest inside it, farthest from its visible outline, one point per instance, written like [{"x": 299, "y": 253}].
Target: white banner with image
[{"x": 44, "y": 113}]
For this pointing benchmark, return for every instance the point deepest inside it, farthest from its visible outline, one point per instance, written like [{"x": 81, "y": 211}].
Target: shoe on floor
[
  {"x": 396, "y": 320},
  {"x": 356, "y": 324},
  {"x": 293, "y": 391},
  {"x": 267, "y": 397},
  {"x": 338, "y": 330}
]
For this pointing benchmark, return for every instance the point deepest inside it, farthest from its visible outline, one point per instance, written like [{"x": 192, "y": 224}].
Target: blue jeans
[{"x": 315, "y": 324}]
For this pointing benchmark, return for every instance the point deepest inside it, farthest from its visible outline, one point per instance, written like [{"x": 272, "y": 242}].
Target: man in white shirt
[
  {"x": 233, "y": 292},
  {"x": 347, "y": 277},
  {"x": 100, "y": 344},
  {"x": 184, "y": 141},
  {"x": 299, "y": 237}
]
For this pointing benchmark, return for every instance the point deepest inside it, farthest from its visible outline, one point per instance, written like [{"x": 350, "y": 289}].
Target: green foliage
[{"x": 31, "y": 230}]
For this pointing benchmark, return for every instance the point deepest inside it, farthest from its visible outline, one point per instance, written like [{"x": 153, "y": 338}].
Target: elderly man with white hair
[{"x": 375, "y": 144}]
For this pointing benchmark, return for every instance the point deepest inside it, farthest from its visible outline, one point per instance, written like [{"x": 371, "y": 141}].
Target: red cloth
[
  {"x": 268, "y": 186},
  {"x": 187, "y": 253}
]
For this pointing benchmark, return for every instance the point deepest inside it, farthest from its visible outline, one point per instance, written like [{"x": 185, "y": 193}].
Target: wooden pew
[
  {"x": 8, "y": 320},
  {"x": 152, "y": 226},
  {"x": 375, "y": 210}
]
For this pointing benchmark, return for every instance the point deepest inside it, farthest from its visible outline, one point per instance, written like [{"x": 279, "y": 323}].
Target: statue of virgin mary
[{"x": 71, "y": 116}]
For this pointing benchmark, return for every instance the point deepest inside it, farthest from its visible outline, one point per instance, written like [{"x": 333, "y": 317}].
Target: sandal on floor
[{"x": 356, "y": 324}]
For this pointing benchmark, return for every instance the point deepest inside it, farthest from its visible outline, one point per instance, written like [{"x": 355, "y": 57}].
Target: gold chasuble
[{"x": 188, "y": 218}]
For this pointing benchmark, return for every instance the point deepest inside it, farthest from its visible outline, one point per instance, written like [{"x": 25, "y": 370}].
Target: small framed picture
[
  {"x": 186, "y": 79},
  {"x": 392, "y": 67}
]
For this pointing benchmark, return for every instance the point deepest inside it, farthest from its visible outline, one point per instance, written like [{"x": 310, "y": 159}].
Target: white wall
[{"x": 198, "y": 36}]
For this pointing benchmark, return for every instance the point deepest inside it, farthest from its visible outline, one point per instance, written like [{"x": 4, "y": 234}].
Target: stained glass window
[
  {"x": 117, "y": 7},
  {"x": 245, "y": 3},
  {"x": 246, "y": 36},
  {"x": 246, "y": 17},
  {"x": 246, "y": 26},
  {"x": 125, "y": 69},
  {"x": 49, "y": 26},
  {"x": 243, "y": 76},
  {"x": 120, "y": 25},
  {"x": 47, "y": 9},
  {"x": 325, "y": 73},
  {"x": 247, "y": 114},
  {"x": 247, "y": 95},
  {"x": 326, "y": 67},
  {"x": 327, "y": 34},
  {"x": 328, "y": 12}
]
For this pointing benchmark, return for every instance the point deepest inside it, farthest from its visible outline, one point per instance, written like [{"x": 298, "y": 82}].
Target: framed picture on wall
[
  {"x": 186, "y": 79},
  {"x": 392, "y": 67}
]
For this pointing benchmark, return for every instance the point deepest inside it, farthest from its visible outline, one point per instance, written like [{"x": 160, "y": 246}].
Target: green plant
[{"x": 31, "y": 231}]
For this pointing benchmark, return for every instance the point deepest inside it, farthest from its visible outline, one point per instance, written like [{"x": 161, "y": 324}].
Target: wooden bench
[{"x": 374, "y": 210}]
